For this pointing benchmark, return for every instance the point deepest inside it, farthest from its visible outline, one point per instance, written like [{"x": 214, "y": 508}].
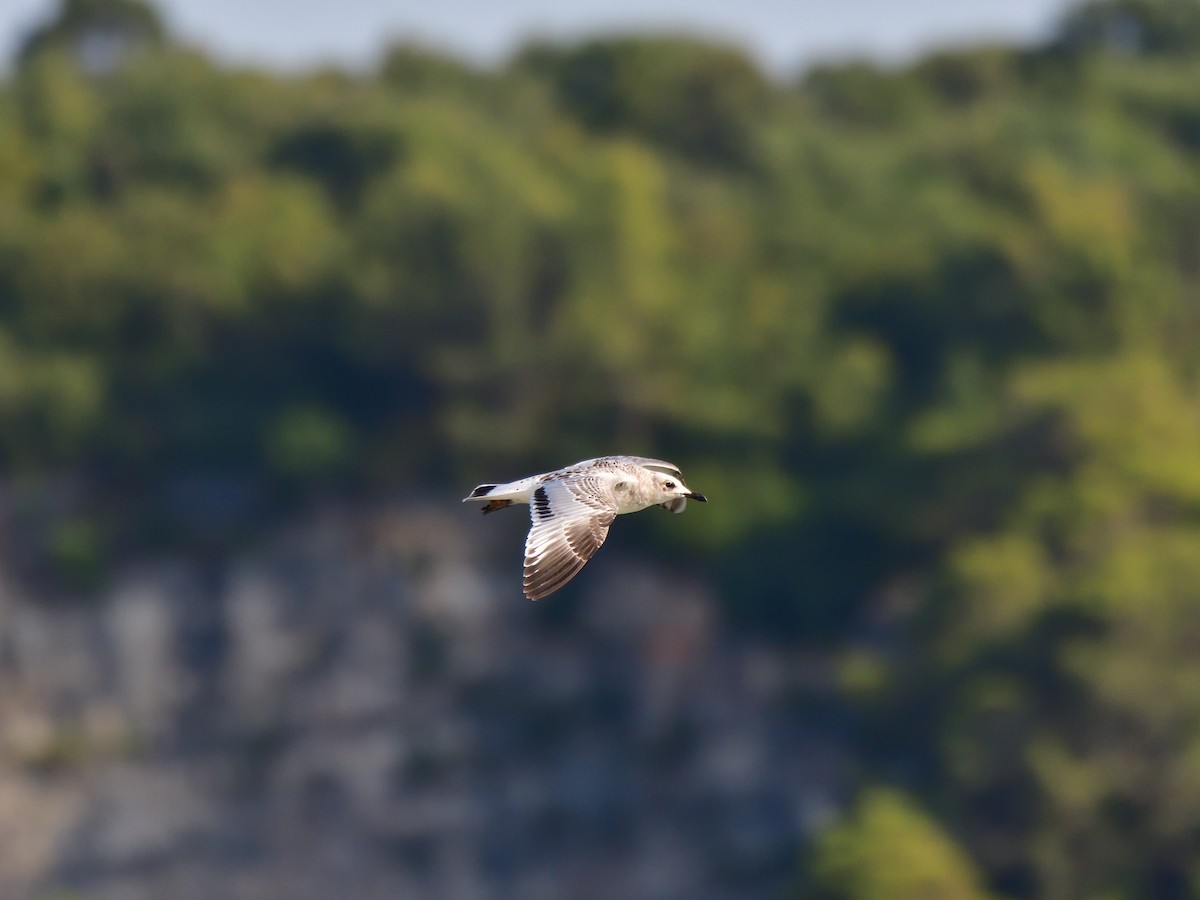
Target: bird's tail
[{"x": 483, "y": 491}]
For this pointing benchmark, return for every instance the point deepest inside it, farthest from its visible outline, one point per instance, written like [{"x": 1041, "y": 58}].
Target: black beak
[{"x": 694, "y": 496}]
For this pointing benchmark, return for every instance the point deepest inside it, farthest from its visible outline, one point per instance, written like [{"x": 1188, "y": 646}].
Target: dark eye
[{"x": 669, "y": 485}]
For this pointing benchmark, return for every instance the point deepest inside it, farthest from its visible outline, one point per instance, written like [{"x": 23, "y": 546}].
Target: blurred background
[{"x": 913, "y": 297}]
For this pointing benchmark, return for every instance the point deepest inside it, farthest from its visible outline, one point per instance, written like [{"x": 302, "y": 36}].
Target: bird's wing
[{"x": 571, "y": 516}]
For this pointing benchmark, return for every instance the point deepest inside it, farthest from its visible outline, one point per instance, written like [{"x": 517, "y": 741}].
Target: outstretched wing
[{"x": 571, "y": 517}]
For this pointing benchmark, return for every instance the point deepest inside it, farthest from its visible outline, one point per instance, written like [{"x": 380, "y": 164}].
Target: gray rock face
[{"x": 366, "y": 707}]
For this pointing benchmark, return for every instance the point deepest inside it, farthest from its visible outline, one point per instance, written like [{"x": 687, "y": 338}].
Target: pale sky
[{"x": 785, "y": 36}]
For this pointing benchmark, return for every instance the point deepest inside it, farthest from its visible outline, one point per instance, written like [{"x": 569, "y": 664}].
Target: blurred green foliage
[
  {"x": 926, "y": 337},
  {"x": 887, "y": 849}
]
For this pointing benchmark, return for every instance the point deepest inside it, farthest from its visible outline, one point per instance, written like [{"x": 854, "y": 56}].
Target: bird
[{"x": 572, "y": 508}]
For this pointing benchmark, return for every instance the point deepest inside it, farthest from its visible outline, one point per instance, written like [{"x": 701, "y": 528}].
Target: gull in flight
[{"x": 573, "y": 507}]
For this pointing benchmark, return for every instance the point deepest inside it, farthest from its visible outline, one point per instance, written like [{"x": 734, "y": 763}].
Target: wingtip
[{"x": 526, "y": 588}]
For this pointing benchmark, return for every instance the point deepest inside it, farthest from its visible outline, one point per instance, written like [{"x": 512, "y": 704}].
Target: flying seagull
[{"x": 572, "y": 508}]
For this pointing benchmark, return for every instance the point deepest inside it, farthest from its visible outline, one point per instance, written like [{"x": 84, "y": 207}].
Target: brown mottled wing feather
[{"x": 571, "y": 517}]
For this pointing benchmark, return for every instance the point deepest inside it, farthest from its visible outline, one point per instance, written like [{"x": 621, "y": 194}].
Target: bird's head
[{"x": 671, "y": 489}]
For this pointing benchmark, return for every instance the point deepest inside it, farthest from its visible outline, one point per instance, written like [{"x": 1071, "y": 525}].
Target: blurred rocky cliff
[{"x": 365, "y": 706}]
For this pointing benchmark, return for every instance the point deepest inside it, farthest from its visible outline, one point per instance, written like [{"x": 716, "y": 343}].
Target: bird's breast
[{"x": 629, "y": 498}]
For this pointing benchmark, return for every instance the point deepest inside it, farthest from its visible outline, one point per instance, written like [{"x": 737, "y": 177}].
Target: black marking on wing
[{"x": 541, "y": 504}]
